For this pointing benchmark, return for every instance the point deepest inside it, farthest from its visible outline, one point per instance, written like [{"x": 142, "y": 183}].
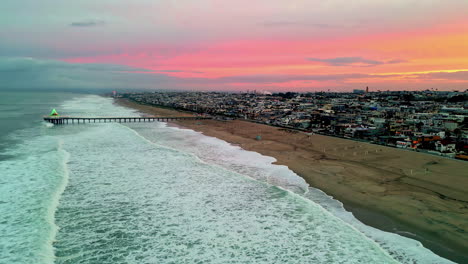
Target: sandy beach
[{"x": 419, "y": 195}]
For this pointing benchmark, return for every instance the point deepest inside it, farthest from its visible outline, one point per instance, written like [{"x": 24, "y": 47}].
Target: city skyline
[{"x": 234, "y": 46}]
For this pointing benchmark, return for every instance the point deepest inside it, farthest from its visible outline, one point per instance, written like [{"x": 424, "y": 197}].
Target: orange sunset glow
[{"x": 308, "y": 46}]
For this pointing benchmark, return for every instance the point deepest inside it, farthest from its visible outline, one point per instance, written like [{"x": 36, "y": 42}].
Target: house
[
  {"x": 403, "y": 144},
  {"x": 445, "y": 146}
]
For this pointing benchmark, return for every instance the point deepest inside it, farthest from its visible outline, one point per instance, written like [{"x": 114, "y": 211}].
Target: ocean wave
[
  {"x": 259, "y": 167},
  {"x": 29, "y": 189},
  {"x": 216, "y": 154}
]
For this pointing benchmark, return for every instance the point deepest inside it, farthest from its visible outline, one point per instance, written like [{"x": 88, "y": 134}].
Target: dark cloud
[
  {"x": 339, "y": 78},
  {"x": 28, "y": 73},
  {"x": 353, "y": 61},
  {"x": 87, "y": 23},
  {"x": 30, "y": 64},
  {"x": 275, "y": 78},
  {"x": 396, "y": 61}
]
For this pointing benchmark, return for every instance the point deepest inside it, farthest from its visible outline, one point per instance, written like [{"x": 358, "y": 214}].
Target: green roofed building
[{"x": 54, "y": 113}]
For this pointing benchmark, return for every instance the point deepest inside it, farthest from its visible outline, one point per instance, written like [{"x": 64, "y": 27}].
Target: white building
[{"x": 444, "y": 147}]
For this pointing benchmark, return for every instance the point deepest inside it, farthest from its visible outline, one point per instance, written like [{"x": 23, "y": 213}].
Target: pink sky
[
  {"x": 268, "y": 45},
  {"x": 409, "y": 58}
]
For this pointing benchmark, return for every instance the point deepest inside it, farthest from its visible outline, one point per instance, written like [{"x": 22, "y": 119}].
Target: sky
[{"x": 263, "y": 45}]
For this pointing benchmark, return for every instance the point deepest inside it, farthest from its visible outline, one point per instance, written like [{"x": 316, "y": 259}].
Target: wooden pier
[{"x": 63, "y": 120}]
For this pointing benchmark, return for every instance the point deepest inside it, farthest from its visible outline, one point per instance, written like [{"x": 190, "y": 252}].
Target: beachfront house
[{"x": 444, "y": 146}]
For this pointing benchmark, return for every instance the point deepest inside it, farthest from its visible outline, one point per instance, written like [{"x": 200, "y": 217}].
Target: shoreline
[{"x": 413, "y": 194}]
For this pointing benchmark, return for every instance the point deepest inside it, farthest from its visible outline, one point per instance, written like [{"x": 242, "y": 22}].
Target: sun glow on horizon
[{"x": 284, "y": 45}]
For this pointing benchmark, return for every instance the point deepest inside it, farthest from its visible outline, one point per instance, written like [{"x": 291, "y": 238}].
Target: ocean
[{"x": 152, "y": 193}]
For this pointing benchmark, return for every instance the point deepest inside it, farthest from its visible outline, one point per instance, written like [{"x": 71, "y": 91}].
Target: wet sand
[{"x": 414, "y": 194}]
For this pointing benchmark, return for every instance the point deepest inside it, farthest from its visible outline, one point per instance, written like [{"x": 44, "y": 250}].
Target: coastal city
[{"x": 428, "y": 121}]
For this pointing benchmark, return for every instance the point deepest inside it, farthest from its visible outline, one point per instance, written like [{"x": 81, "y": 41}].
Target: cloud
[
  {"x": 457, "y": 76},
  {"x": 170, "y": 71},
  {"x": 353, "y": 61},
  {"x": 178, "y": 71},
  {"x": 270, "y": 79},
  {"x": 275, "y": 78},
  {"x": 295, "y": 23},
  {"x": 29, "y": 64},
  {"x": 87, "y": 23},
  {"x": 396, "y": 61},
  {"x": 29, "y": 73}
]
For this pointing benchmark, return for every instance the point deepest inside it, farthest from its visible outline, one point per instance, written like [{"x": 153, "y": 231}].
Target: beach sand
[{"x": 414, "y": 194}]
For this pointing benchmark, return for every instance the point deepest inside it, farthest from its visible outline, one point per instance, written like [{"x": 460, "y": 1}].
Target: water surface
[{"x": 148, "y": 193}]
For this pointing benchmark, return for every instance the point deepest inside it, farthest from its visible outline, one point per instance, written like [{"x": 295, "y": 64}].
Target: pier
[{"x": 63, "y": 120}]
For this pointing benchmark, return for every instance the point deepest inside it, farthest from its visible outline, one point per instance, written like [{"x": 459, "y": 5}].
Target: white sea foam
[
  {"x": 216, "y": 151},
  {"x": 401, "y": 248},
  {"x": 259, "y": 167},
  {"x": 46, "y": 124},
  {"x": 60, "y": 188},
  {"x": 28, "y": 193},
  {"x": 137, "y": 202},
  {"x": 134, "y": 202}
]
